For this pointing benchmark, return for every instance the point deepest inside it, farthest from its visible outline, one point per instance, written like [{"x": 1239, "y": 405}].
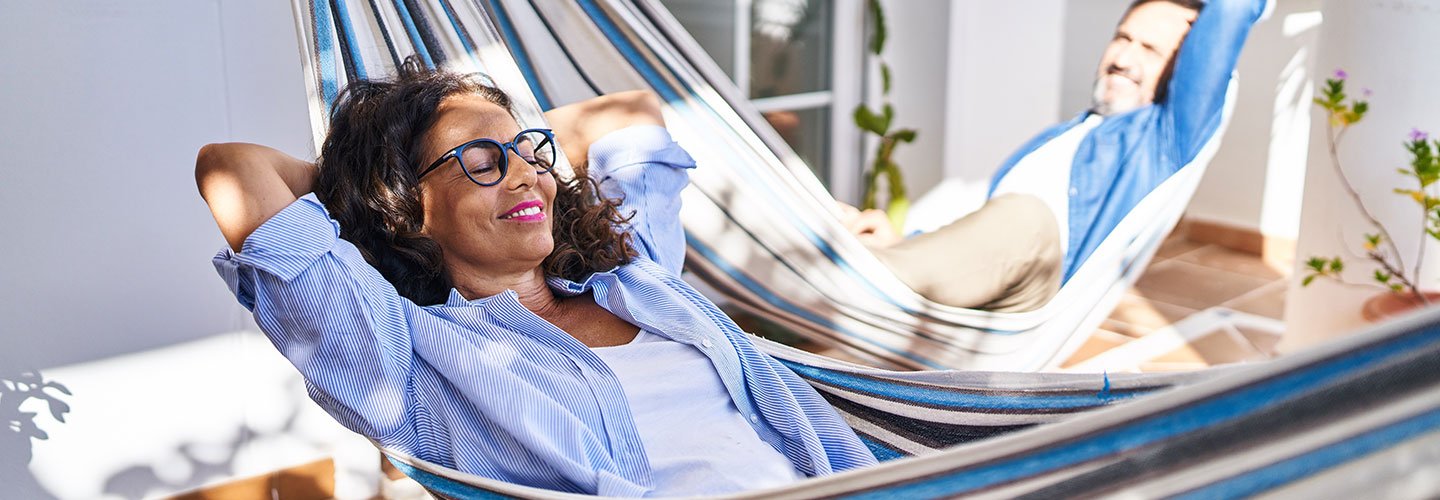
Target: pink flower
[
  {"x": 1340, "y": 74},
  {"x": 1417, "y": 135}
]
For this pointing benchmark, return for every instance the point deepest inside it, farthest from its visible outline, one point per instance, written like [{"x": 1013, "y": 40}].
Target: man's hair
[{"x": 368, "y": 180}]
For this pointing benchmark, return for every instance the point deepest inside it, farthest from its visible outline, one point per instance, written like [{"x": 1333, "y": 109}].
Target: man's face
[{"x": 1139, "y": 55}]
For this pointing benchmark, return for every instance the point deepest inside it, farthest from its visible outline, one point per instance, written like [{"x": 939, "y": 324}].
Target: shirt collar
[{"x": 560, "y": 285}]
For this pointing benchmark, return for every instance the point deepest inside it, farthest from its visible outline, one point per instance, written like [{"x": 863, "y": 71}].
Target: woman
[{"x": 469, "y": 308}]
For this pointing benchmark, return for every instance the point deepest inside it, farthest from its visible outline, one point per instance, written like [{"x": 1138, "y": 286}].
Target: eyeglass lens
[{"x": 482, "y": 161}]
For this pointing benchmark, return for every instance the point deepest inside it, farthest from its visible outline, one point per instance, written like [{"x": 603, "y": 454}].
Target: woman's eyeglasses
[{"x": 486, "y": 161}]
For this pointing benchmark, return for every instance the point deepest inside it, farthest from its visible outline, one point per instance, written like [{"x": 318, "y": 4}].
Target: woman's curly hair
[{"x": 368, "y": 180}]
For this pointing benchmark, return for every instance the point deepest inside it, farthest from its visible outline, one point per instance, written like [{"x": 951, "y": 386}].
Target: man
[{"x": 1159, "y": 92}]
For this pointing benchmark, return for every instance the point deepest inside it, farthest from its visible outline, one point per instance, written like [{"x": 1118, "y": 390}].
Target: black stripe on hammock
[
  {"x": 342, "y": 33},
  {"x": 929, "y": 434},
  {"x": 564, "y": 49},
  {"x": 421, "y": 19},
  {"x": 385, "y": 32}
]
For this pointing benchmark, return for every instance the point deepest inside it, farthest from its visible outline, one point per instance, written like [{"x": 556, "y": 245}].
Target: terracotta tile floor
[{"x": 1185, "y": 279}]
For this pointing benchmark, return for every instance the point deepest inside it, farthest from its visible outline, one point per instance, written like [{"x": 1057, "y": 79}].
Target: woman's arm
[
  {"x": 631, "y": 156},
  {"x": 323, "y": 307},
  {"x": 246, "y": 184},
  {"x": 579, "y": 125}
]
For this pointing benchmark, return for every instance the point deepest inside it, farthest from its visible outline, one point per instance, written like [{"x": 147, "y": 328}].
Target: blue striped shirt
[{"x": 487, "y": 387}]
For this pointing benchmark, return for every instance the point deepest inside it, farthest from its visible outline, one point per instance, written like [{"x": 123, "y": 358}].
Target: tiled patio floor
[{"x": 1184, "y": 279}]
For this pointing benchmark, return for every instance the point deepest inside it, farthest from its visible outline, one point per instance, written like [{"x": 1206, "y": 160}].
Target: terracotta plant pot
[{"x": 1388, "y": 305}]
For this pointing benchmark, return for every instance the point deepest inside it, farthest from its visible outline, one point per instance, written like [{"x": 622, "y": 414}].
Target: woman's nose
[{"x": 520, "y": 173}]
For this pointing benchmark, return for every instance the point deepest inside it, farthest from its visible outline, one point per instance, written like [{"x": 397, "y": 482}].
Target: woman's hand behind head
[{"x": 580, "y": 124}]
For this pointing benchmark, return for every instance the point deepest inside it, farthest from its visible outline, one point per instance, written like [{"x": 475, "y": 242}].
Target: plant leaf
[
  {"x": 877, "y": 37},
  {"x": 869, "y": 121},
  {"x": 885, "y": 78}
]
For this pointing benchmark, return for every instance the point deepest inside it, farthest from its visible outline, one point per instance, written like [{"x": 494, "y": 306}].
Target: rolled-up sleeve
[
  {"x": 646, "y": 169},
  {"x": 329, "y": 312}
]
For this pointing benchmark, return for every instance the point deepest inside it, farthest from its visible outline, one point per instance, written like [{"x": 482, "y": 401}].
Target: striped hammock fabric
[
  {"x": 1356, "y": 418},
  {"x": 761, "y": 228}
]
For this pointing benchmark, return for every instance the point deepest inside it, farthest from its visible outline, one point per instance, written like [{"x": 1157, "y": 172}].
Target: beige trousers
[{"x": 1004, "y": 257}]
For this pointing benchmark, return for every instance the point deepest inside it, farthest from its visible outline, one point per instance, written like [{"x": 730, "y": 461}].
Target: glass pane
[
  {"x": 789, "y": 47},
  {"x": 808, "y": 132},
  {"x": 712, "y": 23}
]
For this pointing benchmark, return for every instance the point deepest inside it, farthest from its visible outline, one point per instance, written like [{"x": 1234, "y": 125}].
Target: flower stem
[{"x": 1397, "y": 270}]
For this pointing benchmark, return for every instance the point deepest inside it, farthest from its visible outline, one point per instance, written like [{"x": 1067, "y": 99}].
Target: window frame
[{"x": 848, "y": 78}]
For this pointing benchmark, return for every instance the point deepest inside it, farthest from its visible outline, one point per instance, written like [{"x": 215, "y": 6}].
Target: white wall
[
  {"x": 1089, "y": 25},
  {"x": 977, "y": 79},
  {"x": 107, "y": 245},
  {"x": 1381, "y": 45},
  {"x": 916, "y": 53}
]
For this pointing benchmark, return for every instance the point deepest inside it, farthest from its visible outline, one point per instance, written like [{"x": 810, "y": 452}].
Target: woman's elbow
[
  {"x": 214, "y": 158},
  {"x": 640, "y": 107}
]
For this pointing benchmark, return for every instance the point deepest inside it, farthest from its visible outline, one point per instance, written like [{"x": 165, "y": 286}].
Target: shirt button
[
  {"x": 1074, "y": 191},
  {"x": 754, "y": 419},
  {"x": 705, "y": 343}
]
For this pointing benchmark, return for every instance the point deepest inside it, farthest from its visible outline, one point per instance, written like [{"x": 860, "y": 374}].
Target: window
[{"x": 800, "y": 62}]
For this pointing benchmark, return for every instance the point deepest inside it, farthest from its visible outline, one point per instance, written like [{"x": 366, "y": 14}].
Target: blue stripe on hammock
[
  {"x": 882, "y": 453},
  {"x": 658, "y": 83},
  {"x": 522, "y": 59},
  {"x": 777, "y": 301},
  {"x": 357, "y": 62},
  {"x": 413, "y": 33},
  {"x": 443, "y": 485},
  {"x": 1159, "y": 427},
  {"x": 329, "y": 79},
  {"x": 948, "y": 399},
  {"x": 1319, "y": 460}
]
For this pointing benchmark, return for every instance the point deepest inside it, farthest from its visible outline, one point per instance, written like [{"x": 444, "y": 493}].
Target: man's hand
[
  {"x": 871, "y": 227},
  {"x": 580, "y": 124},
  {"x": 246, "y": 184}
]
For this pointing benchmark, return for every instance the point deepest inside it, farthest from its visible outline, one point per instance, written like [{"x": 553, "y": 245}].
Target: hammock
[
  {"x": 1358, "y": 418},
  {"x": 1345, "y": 418},
  {"x": 760, "y": 227}
]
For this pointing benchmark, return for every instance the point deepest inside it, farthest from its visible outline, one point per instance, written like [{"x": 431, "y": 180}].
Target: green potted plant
[
  {"x": 1399, "y": 280},
  {"x": 879, "y": 123}
]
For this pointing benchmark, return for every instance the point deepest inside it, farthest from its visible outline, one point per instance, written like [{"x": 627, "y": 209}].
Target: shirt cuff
[
  {"x": 288, "y": 243},
  {"x": 635, "y": 145}
]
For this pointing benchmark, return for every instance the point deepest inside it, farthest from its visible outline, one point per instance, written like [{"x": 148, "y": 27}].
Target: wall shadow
[{"x": 22, "y": 429}]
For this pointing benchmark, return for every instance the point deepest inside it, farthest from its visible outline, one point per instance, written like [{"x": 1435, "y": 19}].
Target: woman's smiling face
[{"x": 489, "y": 230}]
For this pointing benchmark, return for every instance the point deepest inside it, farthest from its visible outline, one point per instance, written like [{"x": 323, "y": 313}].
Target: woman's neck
[{"x": 529, "y": 287}]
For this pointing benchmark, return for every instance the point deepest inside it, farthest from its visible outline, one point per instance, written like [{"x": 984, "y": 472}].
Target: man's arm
[
  {"x": 1196, "y": 93},
  {"x": 247, "y": 184}
]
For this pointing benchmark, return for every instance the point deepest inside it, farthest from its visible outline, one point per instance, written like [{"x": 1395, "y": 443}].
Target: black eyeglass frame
[{"x": 457, "y": 153}]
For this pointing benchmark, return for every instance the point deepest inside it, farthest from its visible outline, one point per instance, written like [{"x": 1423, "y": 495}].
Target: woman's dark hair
[{"x": 368, "y": 181}]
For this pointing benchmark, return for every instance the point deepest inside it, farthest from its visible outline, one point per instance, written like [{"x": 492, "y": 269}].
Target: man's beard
[{"x": 1100, "y": 106}]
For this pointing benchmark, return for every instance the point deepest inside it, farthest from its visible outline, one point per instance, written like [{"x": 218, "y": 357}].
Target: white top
[
  {"x": 697, "y": 441},
  {"x": 1045, "y": 174}
]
